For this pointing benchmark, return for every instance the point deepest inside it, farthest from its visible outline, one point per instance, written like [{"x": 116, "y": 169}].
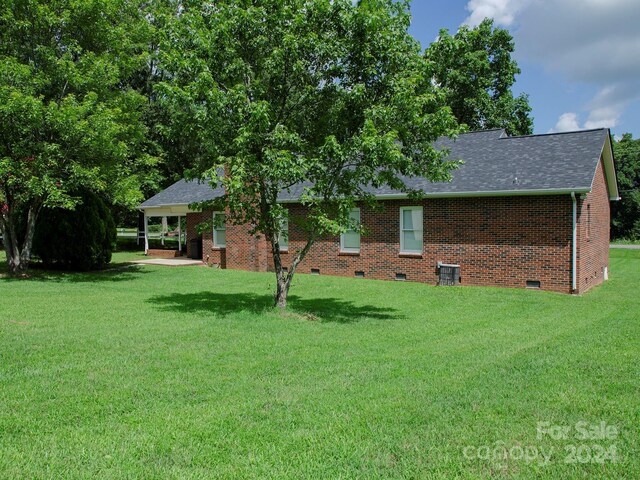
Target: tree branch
[{"x": 299, "y": 257}]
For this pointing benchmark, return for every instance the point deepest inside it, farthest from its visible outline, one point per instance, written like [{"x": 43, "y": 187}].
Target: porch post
[
  {"x": 179, "y": 234},
  {"x": 164, "y": 230},
  {"x": 146, "y": 233}
]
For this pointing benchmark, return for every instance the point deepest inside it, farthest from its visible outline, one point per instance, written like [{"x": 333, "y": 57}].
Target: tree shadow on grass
[
  {"x": 115, "y": 272},
  {"x": 317, "y": 309}
]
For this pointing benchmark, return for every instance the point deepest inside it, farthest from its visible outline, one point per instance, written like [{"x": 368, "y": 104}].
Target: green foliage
[
  {"x": 475, "y": 69},
  {"x": 69, "y": 118},
  {"x": 79, "y": 239},
  {"x": 329, "y": 94},
  {"x": 625, "y": 218},
  {"x": 70, "y": 121}
]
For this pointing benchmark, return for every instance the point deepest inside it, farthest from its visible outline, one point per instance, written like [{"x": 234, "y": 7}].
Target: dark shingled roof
[
  {"x": 493, "y": 163},
  {"x": 183, "y": 192}
]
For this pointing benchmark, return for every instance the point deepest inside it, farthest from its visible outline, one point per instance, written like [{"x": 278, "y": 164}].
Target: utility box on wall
[
  {"x": 449, "y": 275},
  {"x": 195, "y": 248}
]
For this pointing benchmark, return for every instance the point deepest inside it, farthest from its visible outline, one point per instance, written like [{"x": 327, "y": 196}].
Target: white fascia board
[
  {"x": 171, "y": 210},
  {"x": 164, "y": 205},
  {"x": 610, "y": 169}
]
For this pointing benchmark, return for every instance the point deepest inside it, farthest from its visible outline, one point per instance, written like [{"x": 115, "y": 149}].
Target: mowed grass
[{"x": 156, "y": 372}]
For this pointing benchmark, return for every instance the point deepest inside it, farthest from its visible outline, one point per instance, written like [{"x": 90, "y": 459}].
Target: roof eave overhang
[{"x": 169, "y": 209}]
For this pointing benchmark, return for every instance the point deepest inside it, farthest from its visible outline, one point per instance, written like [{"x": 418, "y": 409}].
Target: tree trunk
[
  {"x": 18, "y": 258},
  {"x": 283, "y": 279},
  {"x": 12, "y": 250},
  {"x": 282, "y": 291},
  {"x": 282, "y": 288},
  {"x": 16, "y": 267}
]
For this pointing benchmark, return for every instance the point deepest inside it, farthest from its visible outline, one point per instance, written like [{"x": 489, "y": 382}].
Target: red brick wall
[
  {"x": 242, "y": 252},
  {"x": 593, "y": 233},
  {"x": 211, "y": 255},
  {"x": 246, "y": 252},
  {"x": 497, "y": 241}
]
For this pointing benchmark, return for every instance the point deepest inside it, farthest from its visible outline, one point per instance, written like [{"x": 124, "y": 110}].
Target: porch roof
[{"x": 182, "y": 193}]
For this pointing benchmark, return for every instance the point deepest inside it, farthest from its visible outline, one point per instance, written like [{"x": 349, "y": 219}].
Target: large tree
[
  {"x": 476, "y": 71},
  {"x": 174, "y": 150},
  {"x": 625, "y": 219},
  {"x": 330, "y": 94},
  {"x": 69, "y": 119}
]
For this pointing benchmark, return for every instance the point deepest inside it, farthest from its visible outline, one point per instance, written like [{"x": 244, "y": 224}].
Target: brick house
[{"x": 530, "y": 211}]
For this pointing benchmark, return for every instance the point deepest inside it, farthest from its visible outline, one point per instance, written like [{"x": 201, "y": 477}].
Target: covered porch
[
  {"x": 175, "y": 214},
  {"x": 174, "y": 202}
]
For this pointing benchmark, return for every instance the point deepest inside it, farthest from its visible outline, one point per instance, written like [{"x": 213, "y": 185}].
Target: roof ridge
[
  {"x": 548, "y": 134},
  {"x": 482, "y": 131}
]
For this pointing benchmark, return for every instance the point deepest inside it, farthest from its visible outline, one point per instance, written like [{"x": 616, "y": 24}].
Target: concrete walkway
[
  {"x": 169, "y": 262},
  {"x": 626, "y": 247}
]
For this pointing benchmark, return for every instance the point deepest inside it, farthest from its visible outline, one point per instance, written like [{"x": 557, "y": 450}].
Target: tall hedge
[{"x": 80, "y": 239}]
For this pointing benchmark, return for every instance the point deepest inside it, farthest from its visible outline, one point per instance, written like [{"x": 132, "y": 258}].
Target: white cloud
[
  {"x": 587, "y": 40},
  {"x": 605, "y": 109},
  {"x": 610, "y": 103},
  {"x": 590, "y": 42},
  {"x": 502, "y": 11},
  {"x": 566, "y": 123},
  {"x": 603, "y": 118}
]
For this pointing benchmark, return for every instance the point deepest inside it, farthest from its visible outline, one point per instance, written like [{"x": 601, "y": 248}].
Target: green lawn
[{"x": 156, "y": 372}]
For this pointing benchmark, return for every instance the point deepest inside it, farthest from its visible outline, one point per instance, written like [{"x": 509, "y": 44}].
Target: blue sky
[{"x": 580, "y": 59}]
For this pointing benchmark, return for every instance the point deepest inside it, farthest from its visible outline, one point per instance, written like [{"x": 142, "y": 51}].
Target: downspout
[
  {"x": 574, "y": 242},
  {"x": 146, "y": 233}
]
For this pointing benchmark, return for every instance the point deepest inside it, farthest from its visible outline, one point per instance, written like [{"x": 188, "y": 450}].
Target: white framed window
[
  {"x": 283, "y": 238},
  {"x": 411, "y": 230},
  {"x": 350, "y": 240},
  {"x": 219, "y": 230}
]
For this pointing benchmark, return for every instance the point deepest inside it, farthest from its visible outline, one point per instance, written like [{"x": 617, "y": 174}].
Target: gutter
[
  {"x": 574, "y": 241},
  {"x": 496, "y": 193}
]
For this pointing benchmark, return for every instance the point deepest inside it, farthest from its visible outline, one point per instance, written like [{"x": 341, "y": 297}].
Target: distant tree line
[{"x": 625, "y": 214}]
